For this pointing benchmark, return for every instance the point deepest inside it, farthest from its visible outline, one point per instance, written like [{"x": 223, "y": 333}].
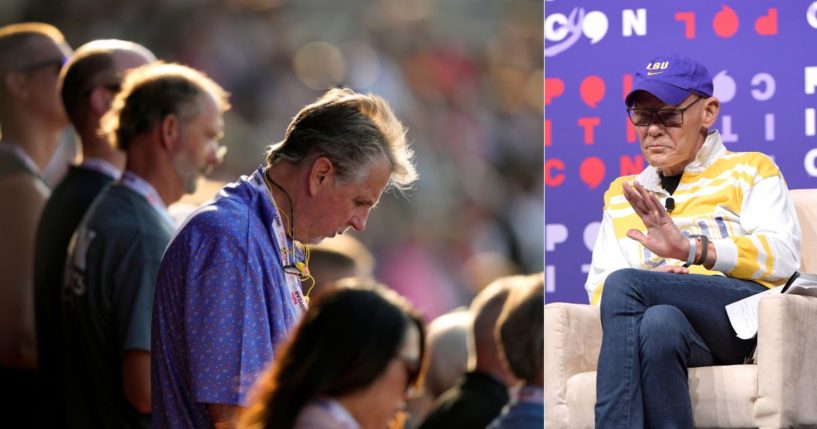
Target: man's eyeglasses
[
  {"x": 667, "y": 117},
  {"x": 49, "y": 62},
  {"x": 112, "y": 87}
]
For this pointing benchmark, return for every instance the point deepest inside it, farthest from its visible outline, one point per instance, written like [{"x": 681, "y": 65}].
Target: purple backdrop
[{"x": 762, "y": 56}]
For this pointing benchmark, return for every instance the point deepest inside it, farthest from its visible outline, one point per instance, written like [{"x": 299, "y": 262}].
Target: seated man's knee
[
  {"x": 662, "y": 329},
  {"x": 619, "y": 283}
]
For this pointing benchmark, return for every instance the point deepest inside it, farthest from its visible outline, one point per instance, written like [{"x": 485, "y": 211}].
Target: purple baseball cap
[{"x": 672, "y": 79}]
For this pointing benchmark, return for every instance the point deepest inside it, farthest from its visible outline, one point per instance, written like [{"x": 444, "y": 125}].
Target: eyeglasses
[
  {"x": 667, "y": 117},
  {"x": 113, "y": 87},
  {"x": 49, "y": 62},
  {"x": 220, "y": 151}
]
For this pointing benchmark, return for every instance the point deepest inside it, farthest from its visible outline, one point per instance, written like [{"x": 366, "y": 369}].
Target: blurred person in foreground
[
  {"x": 351, "y": 363},
  {"x": 88, "y": 83},
  {"x": 482, "y": 392},
  {"x": 31, "y": 119},
  {"x": 699, "y": 228},
  {"x": 520, "y": 331},
  {"x": 229, "y": 287},
  {"x": 168, "y": 121}
]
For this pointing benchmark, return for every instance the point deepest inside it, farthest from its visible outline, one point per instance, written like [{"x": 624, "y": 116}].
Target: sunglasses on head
[{"x": 48, "y": 62}]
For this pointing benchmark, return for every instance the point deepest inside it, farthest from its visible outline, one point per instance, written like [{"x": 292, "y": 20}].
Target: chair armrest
[
  {"x": 786, "y": 361},
  {"x": 572, "y": 343}
]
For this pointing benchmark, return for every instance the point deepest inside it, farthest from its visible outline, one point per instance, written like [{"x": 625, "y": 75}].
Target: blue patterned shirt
[
  {"x": 525, "y": 411},
  {"x": 222, "y": 305}
]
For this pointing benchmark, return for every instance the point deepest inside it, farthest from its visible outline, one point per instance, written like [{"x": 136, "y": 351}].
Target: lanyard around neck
[
  {"x": 101, "y": 166},
  {"x": 288, "y": 257},
  {"x": 21, "y": 155},
  {"x": 137, "y": 184}
]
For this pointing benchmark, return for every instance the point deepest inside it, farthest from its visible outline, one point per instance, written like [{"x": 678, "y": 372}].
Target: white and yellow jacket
[{"x": 737, "y": 199}]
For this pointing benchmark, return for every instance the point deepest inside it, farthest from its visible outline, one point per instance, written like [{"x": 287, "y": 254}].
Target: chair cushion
[
  {"x": 728, "y": 392},
  {"x": 805, "y": 203}
]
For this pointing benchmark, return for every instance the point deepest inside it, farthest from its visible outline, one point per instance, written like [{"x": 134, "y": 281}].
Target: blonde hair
[{"x": 154, "y": 91}]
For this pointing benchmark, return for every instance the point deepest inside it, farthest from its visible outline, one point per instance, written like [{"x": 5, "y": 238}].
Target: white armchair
[{"x": 780, "y": 391}]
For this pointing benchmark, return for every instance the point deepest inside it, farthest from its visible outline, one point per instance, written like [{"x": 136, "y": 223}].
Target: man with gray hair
[
  {"x": 88, "y": 83},
  {"x": 168, "y": 120},
  {"x": 229, "y": 286},
  {"x": 31, "y": 118}
]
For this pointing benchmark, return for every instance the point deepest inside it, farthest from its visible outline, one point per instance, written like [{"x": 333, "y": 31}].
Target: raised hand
[{"x": 663, "y": 237}]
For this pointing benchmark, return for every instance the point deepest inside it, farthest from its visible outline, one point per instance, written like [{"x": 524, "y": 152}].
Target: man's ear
[
  {"x": 169, "y": 131},
  {"x": 321, "y": 173},
  {"x": 15, "y": 84},
  {"x": 711, "y": 109},
  {"x": 101, "y": 100}
]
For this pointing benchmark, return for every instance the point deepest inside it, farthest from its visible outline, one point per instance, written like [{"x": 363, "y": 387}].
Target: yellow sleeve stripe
[
  {"x": 769, "y": 266},
  {"x": 616, "y": 190},
  {"x": 596, "y": 298},
  {"x": 752, "y": 163},
  {"x": 747, "y": 258}
]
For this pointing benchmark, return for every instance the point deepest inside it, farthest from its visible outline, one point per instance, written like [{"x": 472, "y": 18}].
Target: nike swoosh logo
[{"x": 654, "y": 73}]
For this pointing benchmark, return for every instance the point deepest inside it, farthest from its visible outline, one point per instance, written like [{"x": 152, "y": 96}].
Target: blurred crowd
[{"x": 466, "y": 79}]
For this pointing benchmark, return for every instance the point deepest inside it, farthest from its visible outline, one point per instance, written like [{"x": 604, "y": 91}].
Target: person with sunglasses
[
  {"x": 31, "y": 118},
  {"x": 351, "y": 363},
  {"x": 88, "y": 83},
  {"x": 699, "y": 228}
]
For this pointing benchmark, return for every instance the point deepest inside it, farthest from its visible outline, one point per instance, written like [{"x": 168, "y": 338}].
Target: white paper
[{"x": 743, "y": 314}]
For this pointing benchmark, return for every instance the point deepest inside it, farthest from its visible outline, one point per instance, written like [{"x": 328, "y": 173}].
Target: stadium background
[{"x": 465, "y": 76}]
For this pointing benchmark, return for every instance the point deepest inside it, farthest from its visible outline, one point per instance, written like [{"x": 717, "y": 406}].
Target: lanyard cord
[{"x": 303, "y": 268}]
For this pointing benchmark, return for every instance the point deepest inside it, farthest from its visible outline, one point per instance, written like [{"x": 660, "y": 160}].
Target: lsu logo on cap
[{"x": 657, "y": 67}]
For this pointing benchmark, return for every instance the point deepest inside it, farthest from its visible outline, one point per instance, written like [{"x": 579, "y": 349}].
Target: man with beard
[{"x": 168, "y": 120}]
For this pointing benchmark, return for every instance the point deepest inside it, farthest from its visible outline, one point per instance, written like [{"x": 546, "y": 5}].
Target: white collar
[
  {"x": 21, "y": 154},
  {"x": 101, "y": 166},
  {"x": 142, "y": 187}
]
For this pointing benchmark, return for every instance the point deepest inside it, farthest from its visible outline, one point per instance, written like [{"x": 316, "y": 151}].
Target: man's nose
[
  {"x": 358, "y": 223},
  {"x": 655, "y": 127}
]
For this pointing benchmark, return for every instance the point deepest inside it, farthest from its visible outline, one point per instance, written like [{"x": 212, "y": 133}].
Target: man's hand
[
  {"x": 663, "y": 237},
  {"x": 675, "y": 269}
]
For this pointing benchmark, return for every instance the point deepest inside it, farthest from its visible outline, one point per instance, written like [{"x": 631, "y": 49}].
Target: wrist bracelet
[
  {"x": 693, "y": 245},
  {"x": 704, "y": 248}
]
